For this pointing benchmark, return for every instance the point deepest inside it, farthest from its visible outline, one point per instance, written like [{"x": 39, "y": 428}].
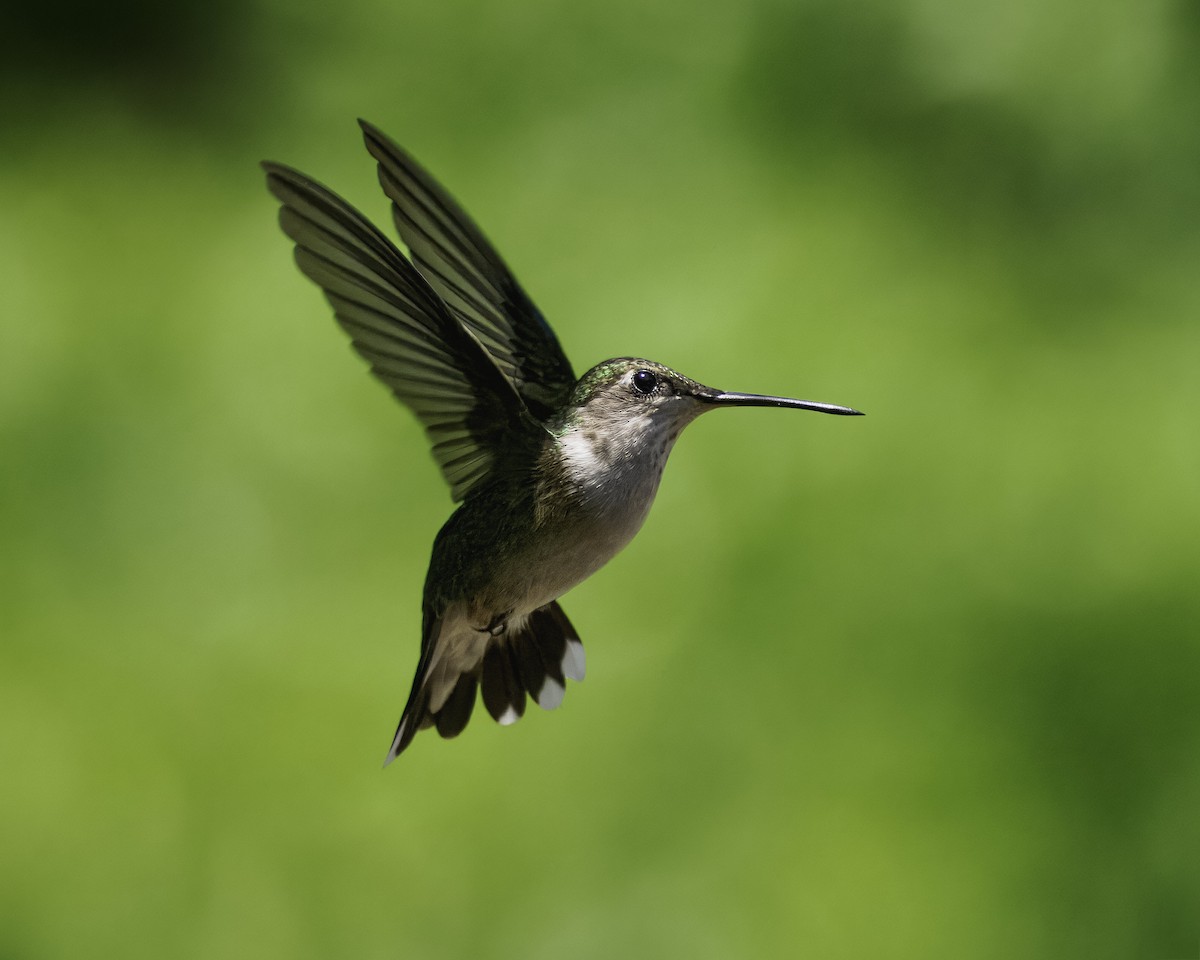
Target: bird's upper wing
[
  {"x": 462, "y": 266},
  {"x": 432, "y": 363}
]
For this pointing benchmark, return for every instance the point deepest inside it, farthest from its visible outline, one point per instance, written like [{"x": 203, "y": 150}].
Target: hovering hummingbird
[{"x": 554, "y": 474}]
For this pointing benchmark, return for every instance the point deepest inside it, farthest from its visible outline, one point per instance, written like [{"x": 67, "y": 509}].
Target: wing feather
[
  {"x": 433, "y": 363},
  {"x": 452, "y": 253}
]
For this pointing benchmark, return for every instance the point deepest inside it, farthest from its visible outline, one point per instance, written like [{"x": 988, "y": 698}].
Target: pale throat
[{"x": 625, "y": 458}]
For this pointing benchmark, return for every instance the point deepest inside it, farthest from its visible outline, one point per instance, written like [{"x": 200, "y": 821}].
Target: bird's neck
[{"x": 616, "y": 464}]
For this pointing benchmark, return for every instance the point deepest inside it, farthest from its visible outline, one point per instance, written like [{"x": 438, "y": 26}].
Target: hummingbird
[{"x": 553, "y": 474}]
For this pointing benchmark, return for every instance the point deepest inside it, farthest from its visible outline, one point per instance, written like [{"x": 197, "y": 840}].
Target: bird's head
[
  {"x": 625, "y": 414},
  {"x": 632, "y": 389}
]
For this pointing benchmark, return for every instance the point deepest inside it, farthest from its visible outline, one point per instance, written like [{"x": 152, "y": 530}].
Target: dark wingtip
[
  {"x": 371, "y": 132},
  {"x": 282, "y": 171},
  {"x": 275, "y": 172},
  {"x": 280, "y": 177},
  {"x": 377, "y": 143}
]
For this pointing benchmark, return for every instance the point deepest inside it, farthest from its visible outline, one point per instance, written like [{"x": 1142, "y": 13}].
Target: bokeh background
[{"x": 923, "y": 684}]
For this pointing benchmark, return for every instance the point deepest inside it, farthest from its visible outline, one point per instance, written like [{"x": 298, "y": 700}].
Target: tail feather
[
  {"x": 456, "y": 711},
  {"x": 535, "y": 658},
  {"x": 503, "y": 693}
]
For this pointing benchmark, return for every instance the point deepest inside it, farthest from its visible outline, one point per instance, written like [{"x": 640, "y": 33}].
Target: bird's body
[
  {"x": 556, "y": 518},
  {"x": 556, "y": 475}
]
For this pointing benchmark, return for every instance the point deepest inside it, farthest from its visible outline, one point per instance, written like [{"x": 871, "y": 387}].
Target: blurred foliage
[{"x": 923, "y": 684}]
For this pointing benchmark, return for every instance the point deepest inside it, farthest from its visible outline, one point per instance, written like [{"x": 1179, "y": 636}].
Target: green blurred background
[{"x": 919, "y": 685}]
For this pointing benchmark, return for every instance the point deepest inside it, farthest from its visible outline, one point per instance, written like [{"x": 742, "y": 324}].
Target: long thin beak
[{"x": 758, "y": 400}]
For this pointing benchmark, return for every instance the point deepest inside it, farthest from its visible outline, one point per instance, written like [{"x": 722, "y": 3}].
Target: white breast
[{"x": 617, "y": 477}]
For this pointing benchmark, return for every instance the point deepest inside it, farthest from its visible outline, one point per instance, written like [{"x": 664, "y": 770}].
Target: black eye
[{"x": 644, "y": 382}]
